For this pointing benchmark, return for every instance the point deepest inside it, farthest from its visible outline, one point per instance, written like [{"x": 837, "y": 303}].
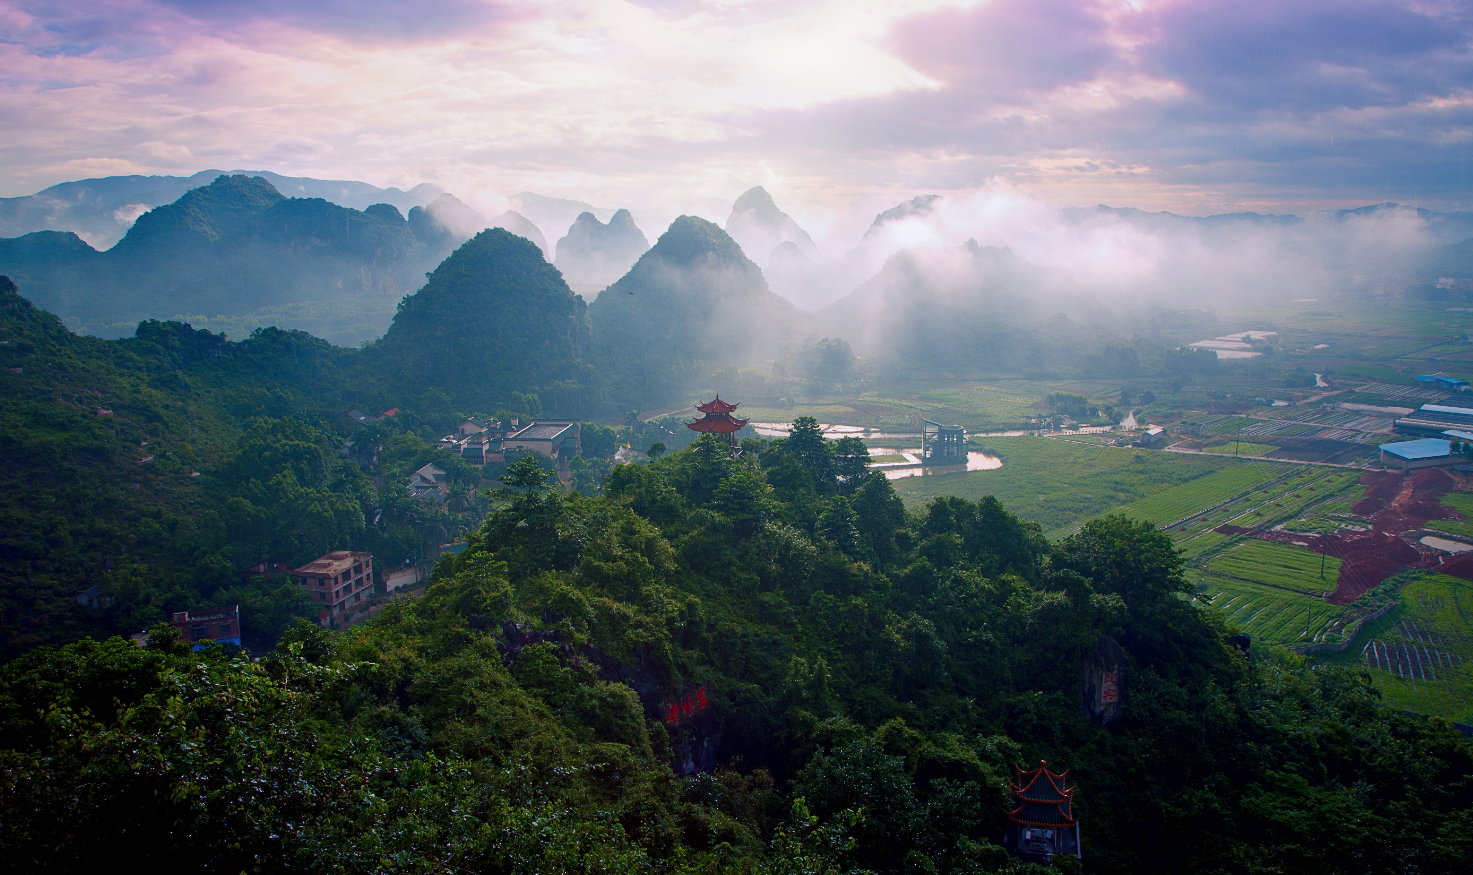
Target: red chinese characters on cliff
[{"x": 686, "y": 706}]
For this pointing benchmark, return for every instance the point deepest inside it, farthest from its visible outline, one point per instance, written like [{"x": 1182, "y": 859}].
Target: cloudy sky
[{"x": 835, "y": 107}]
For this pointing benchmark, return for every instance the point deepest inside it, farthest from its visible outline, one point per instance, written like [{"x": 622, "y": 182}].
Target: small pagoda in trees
[
  {"x": 718, "y": 420},
  {"x": 1042, "y": 825}
]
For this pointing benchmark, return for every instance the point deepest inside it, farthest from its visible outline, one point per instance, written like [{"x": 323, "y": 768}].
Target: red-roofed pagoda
[
  {"x": 1042, "y": 825},
  {"x": 718, "y": 420}
]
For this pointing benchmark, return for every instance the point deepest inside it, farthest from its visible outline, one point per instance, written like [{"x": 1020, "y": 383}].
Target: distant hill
[
  {"x": 1455, "y": 261},
  {"x": 444, "y": 224},
  {"x": 693, "y": 300},
  {"x": 593, "y": 254},
  {"x": 798, "y": 276},
  {"x": 494, "y": 317},
  {"x": 235, "y": 254},
  {"x": 521, "y": 226},
  {"x": 968, "y": 306},
  {"x": 554, "y": 214},
  {"x": 101, "y": 210},
  {"x": 760, "y": 227}
]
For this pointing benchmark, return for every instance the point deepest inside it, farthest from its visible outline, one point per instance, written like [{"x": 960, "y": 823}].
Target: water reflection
[{"x": 912, "y": 466}]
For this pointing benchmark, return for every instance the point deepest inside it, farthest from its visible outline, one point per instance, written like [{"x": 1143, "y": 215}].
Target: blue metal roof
[{"x": 1411, "y": 451}]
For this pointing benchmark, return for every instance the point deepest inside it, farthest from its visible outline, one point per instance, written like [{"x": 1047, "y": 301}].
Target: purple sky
[{"x": 835, "y": 107}]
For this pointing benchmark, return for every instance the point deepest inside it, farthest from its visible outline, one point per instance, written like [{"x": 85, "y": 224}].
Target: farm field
[
  {"x": 1462, "y": 502},
  {"x": 1269, "y": 615},
  {"x": 1058, "y": 483},
  {"x": 1179, "y": 502},
  {"x": 1281, "y": 565},
  {"x": 1241, "y": 448},
  {"x": 987, "y": 402},
  {"x": 1420, "y": 655},
  {"x": 1301, "y": 488},
  {"x": 1099, "y": 440}
]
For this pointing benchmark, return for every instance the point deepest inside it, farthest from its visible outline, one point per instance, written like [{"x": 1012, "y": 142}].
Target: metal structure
[{"x": 943, "y": 444}]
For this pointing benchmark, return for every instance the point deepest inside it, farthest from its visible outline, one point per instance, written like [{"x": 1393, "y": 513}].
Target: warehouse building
[
  {"x": 1425, "y": 453},
  {"x": 1431, "y": 420}
]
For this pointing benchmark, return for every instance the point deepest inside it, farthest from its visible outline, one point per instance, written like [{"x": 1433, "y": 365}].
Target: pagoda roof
[
  {"x": 1042, "y": 798},
  {"x": 717, "y": 406},
  {"x": 718, "y": 423}
]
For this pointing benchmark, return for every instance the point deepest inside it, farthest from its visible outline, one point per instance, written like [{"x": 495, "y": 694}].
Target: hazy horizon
[{"x": 839, "y": 110}]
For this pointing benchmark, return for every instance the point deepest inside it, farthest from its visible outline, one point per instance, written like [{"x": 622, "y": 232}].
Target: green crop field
[
  {"x": 1099, "y": 440},
  {"x": 1462, "y": 502},
  {"x": 1273, "y": 616},
  {"x": 1178, "y": 502},
  {"x": 1303, "y": 491},
  {"x": 1420, "y": 655},
  {"x": 1241, "y": 448},
  {"x": 1230, "y": 425},
  {"x": 1059, "y": 483},
  {"x": 1280, "y": 565}
]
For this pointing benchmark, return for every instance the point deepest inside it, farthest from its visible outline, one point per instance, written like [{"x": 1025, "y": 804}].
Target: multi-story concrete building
[
  {"x": 338, "y": 580},
  {"x": 216, "y": 624}
]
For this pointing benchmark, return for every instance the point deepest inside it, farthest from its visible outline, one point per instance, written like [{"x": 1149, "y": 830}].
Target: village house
[
  {"x": 1155, "y": 436},
  {"x": 478, "y": 442},
  {"x": 429, "y": 483},
  {"x": 558, "y": 441},
  {"x": 221, "y": 625},
  {"x": 337, "y": 581}
]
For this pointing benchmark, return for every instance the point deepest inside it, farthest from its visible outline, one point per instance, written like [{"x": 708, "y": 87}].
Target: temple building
[
  {"x": 1042, "y": 825},
  {"x": 718, "y": 420}
]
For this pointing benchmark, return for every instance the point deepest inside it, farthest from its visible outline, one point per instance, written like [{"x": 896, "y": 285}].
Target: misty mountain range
[
  {"x": 238, "y": 253},
  {"x": 100, "y": 211}
]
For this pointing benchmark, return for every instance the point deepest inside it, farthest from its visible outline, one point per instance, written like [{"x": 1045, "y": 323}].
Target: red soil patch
[
  {"x": 1462, "y": 567},
  {"x": 1366, "y": 558},
  {"x": 1230, "y": 529},
  {"x": 1398, "y": 502}
]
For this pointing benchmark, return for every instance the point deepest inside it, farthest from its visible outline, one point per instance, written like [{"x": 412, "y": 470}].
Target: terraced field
[
  {"x": 1273, "y": 616},
  {"x": 1420, "y": 655},
  {"x": 1284, "y": 566}
]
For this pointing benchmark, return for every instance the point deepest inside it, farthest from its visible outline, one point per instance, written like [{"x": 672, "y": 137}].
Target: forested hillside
[
  {"x": 693, "y": 303},
  {"x": 238, "y": 246},
  {"x": 159, "y": 468},
  {"x": 752, "y": 665}
]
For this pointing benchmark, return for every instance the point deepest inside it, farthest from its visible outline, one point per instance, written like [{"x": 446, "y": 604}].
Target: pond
[
  {"x": 907, "y": 463},
  {"x": 1446, "y": 545}
]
